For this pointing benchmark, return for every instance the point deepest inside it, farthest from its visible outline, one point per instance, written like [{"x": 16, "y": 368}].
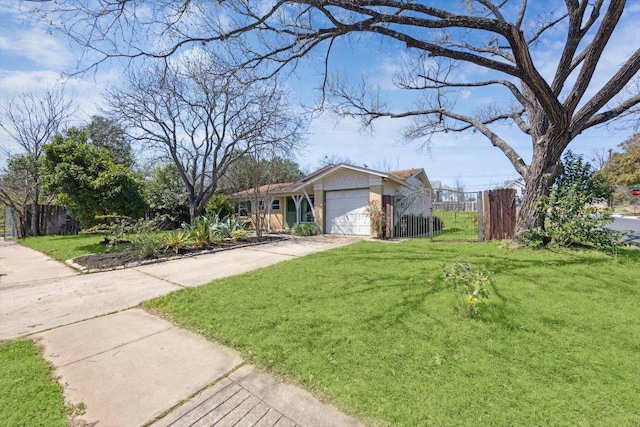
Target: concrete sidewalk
[
  {"x": 21, "y": 264},
  {"x": 131, "y": 368},
  {"x": 200, "y": 269}
]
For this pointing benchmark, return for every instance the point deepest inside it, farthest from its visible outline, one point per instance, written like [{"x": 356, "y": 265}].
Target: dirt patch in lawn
[{"x": 130, "y": 257}]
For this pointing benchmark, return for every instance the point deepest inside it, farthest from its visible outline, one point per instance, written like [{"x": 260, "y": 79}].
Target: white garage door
[{"x": 347, "y": 212}]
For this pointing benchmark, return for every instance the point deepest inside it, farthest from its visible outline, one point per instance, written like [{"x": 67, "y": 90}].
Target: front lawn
[
  {"x": 63, "y": 248},
  {"x": 458, "y": 225},
  {"x": 29, "y": 396},
  {"x": 372, "y": 328}
]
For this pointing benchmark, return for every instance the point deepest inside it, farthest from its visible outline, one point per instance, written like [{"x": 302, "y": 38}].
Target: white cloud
[
  {"x": 37, "y": 46},
  {"x": 14, "y": 82},
  {"x": 27, "y": 40}
]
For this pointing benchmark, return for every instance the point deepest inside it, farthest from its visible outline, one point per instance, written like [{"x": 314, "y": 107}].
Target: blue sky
[{"x": 31, "y": 58}]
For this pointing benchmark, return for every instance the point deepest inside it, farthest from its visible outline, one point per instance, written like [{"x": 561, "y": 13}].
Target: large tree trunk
[
  {"x": 193, "y": 213},
  {"x": 35, "y": 218},
  {"x": 35, "y": 207},
  {"x": 541, "y": 174},
  {"x": 529, "y": 216},
  {"x": 21, "y": 226},
  {"x": 196, "y": 209}
]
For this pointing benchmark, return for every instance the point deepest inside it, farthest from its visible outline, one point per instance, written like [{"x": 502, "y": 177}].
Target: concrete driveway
[{"x": 38, "y": 293}]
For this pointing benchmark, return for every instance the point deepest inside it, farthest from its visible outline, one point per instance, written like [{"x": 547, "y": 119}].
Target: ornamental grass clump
[
  {"x": 304, "y": 230},
  {"x": 175, "y": 240},
  {"x": 239, "y": 235},
  {"x": 470, "y": 285}
]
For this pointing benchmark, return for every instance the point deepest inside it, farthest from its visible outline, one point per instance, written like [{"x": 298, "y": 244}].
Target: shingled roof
[
  {"x": 404, "y": 174},
  {"x": 400, "y": 176},
  {"x": 269, "y": 188}
]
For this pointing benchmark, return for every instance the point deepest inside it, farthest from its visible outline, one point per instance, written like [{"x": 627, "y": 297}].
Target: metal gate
[
  {"x": 464, "y": 216},
  {"x": 415, "y": 215},
  {"x": 460, "y": 217}
]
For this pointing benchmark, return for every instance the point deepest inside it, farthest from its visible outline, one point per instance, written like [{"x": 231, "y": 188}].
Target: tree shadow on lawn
[
  {"x": 556, "y": 269},
  {"x": 500, "y": 312},
  {"x": 499, "y": 266},
  {"x": 414, "y": 296},
  {"x": 97, "y": 248}
]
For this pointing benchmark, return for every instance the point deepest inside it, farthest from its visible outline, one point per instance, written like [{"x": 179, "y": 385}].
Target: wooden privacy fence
[
  {"x": 51, "y": 220},
  {"x": 499, "y": 214}
]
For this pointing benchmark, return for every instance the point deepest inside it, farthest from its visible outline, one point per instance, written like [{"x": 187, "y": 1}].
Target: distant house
[
  {"x": 335, "y": 198},
  {"x": 443, "y": 193},
  {"x": 518, "y": 185}
]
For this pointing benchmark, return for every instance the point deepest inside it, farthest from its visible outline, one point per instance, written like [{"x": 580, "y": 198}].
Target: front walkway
[{"x": 131, "y": 368}]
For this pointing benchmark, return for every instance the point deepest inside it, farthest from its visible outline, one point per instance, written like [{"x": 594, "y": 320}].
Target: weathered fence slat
[{"x": 499, "y": 214}]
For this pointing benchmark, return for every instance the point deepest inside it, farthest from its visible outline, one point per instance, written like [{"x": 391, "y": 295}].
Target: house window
[
  {"x": 243, "y": 208},
  {"x": 306, "y": 211},
  {"x": 261, "y": 205},
  {"x": 275, "y": 205}
]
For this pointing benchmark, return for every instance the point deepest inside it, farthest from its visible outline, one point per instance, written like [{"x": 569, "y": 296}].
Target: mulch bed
[{"x": 129, "y": 257}]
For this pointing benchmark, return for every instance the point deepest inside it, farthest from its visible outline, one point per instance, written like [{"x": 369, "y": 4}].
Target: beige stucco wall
[
  {"x": 345, "y": 179},
  {"x": 376, "y": 189},
  {"x": 318, "y": 207},
  {"x": 277, "y": 217}
]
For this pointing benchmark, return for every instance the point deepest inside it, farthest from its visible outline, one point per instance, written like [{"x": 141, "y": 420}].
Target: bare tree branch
[
  {"x": 204, "y": 117},
  {"x": 593, "y": 54},
  {"x": 487, "y": 38},
  {"x": 31, "y": 120},
  {"x": 618, "y": 82}
]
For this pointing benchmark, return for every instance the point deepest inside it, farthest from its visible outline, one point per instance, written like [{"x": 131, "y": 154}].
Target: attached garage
[{"x": 346, "y": 212}]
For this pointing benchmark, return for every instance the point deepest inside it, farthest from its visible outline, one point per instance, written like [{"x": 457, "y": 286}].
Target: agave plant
[
  {"x": 226, "y": 227},
  {"x": 199, "y": 231},
  {"x": 175, "y": 240}
]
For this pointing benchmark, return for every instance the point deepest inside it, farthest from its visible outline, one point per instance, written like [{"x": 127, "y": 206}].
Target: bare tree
[
  {"x": 204, "y": 118},
  {"x": 460, "y": 185},
  {"x": 262, "y": 174},
  {"x": 387, "y": 165},
  {"x": 16, "y": 190},
  {"x": 257, "y": 175},
  {"x": 31, "y": 119},
  {"x": 600, "y": 157},
  {"x": 334, "y": 159},
  {"x": 497, "y": 42}
]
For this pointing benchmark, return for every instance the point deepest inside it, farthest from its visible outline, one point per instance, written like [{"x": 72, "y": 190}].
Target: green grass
[
  {"x": 29, "y": 396},
  {"x": 457, "y": 225},
  {"x": 63, "y": 248},
  {"x": 372, "y": 328}
]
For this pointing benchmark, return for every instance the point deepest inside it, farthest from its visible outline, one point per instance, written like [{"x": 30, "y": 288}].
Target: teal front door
[{"x": 290, "y": 213}]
